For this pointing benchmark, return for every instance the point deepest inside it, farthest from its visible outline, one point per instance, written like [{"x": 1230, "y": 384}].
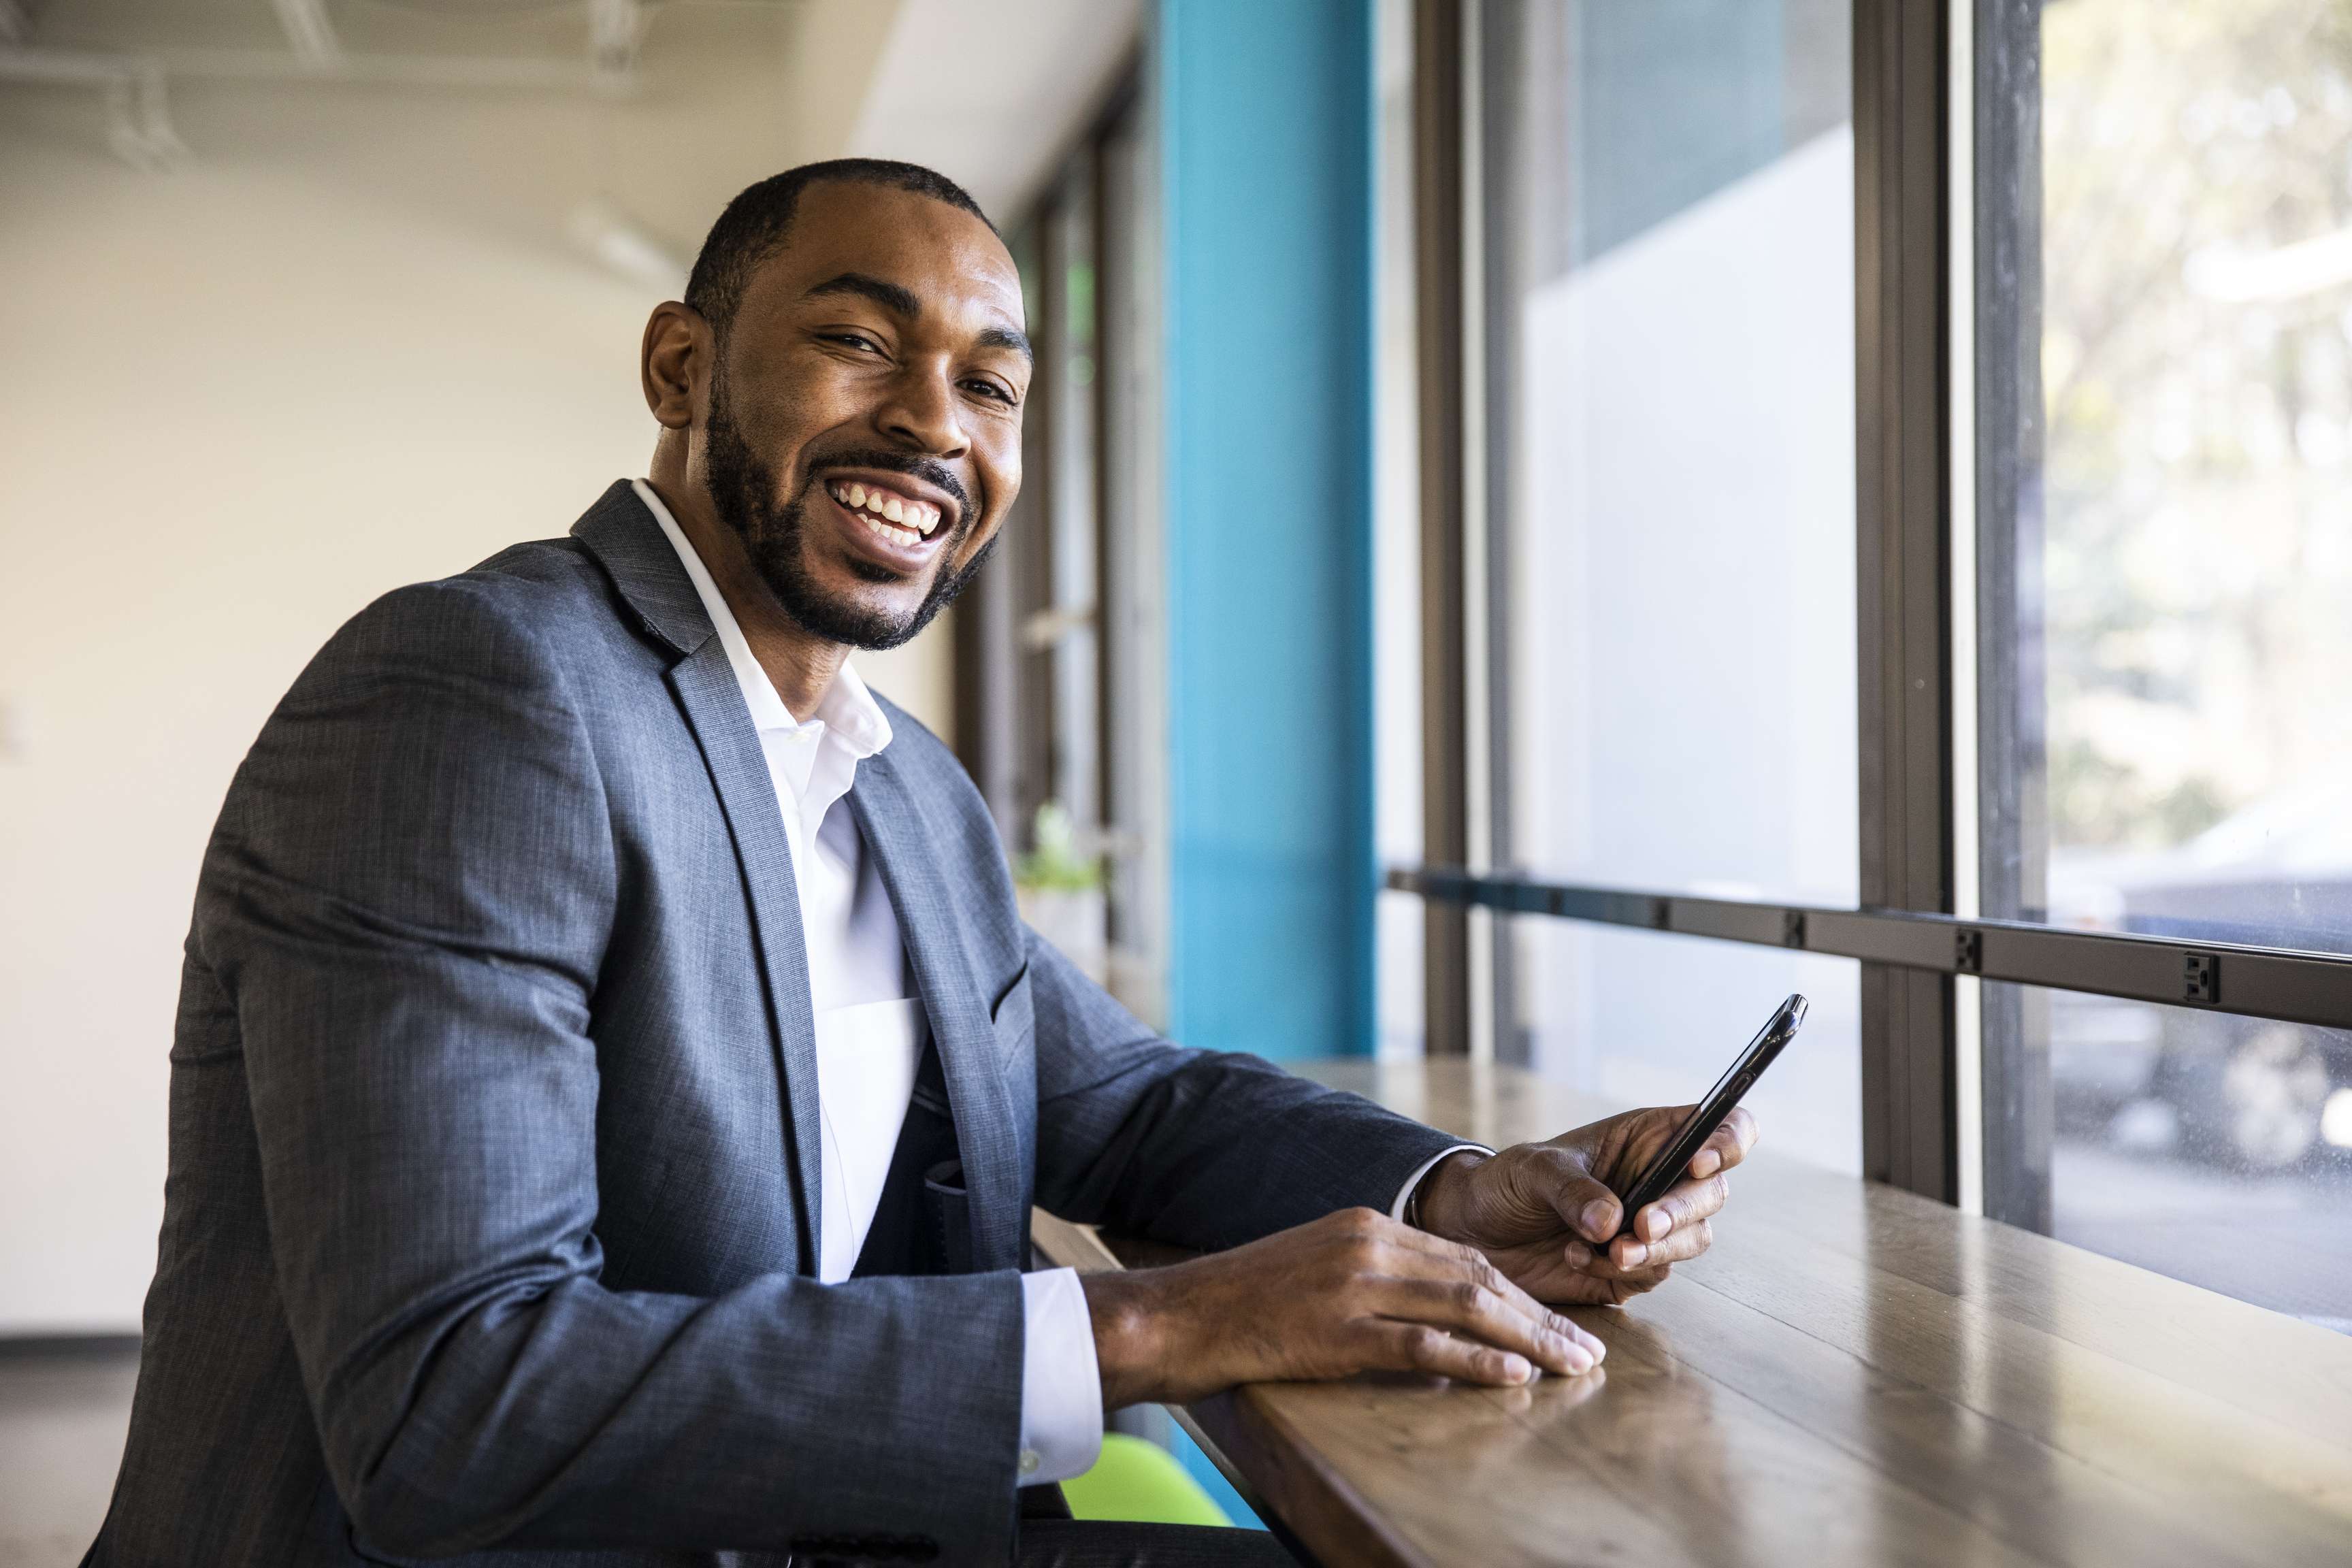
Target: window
[
  {"x": 2041, "y": 644},
  {"x": 2185, "y": 1141},
  {"x": 2169, "y": 681},
  {"x": 2181, "y": 668},
  {"x": 1059, "y": 657},
  {"x": 1668, "y": 240}
]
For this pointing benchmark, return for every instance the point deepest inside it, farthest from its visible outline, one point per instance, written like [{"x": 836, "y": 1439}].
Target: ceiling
[
  {"x": 993, "y": 94},
  {"x": 503, "y": 115},
  {"x": 443, "y": 27}
]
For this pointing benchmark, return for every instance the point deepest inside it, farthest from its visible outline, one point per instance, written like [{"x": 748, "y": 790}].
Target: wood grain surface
[{"x": 1852, "y": 1374}]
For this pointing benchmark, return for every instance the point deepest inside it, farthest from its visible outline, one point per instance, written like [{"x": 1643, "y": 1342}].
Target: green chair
[{"x": 1142, "y": 1483}]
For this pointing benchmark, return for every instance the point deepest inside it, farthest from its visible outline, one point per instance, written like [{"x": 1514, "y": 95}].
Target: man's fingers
[
  {"x": 1625, "y": 1287},
  {"x": 1466, "y": 1276},
  {"x": 1419, "y": 1254},
  {"x": 1417, "y": 1347},
  {"x": 1628, "y": 1257},
  {"x": 1685, "y": 1204},
  {"x": 1476, "y": 1309},
  {"x": 1727, "y": 1145}
]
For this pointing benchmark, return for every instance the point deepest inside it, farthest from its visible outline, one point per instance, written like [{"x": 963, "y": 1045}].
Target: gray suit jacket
[{"x": 490, "y": 1226}]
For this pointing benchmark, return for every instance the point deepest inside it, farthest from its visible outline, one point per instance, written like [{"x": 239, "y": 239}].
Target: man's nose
[{"x": 923, "y": 412}]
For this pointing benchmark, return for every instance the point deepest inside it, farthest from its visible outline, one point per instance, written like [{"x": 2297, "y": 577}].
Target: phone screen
[{"x": 1738, "y": 1078}]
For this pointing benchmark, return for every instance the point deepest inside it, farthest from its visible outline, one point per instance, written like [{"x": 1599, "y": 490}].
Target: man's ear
[{"x": 674, "y": 362}]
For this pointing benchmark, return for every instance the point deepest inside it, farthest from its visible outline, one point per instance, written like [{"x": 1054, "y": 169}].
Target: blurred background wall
[
  {"x": 241, "y": 404},
  {"x": 353, "y": 301}
]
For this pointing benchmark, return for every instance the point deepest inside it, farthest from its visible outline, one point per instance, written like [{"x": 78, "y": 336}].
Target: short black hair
[{"x": 755, "y": 223}]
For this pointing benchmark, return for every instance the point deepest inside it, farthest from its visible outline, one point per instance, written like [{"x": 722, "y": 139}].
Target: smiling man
[{"x": 612, "y": 1080}]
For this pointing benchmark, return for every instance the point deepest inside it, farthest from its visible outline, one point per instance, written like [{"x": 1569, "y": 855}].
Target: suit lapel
[
  {"x": 706, "y": 688},
  {"x": 986, "y": 1136},
  {"x": 623, "y": 536},
  {"x": 628, "y": 543}
]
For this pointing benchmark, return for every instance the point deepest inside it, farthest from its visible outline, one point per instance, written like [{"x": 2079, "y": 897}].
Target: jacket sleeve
[
  {"x": 407, "y": 902},
  {"x": 1199, "y": 1148}
]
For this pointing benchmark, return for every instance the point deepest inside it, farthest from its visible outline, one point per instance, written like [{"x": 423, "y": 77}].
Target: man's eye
[
  {"x": 988, "y": 389},
  {"x": 856, "y": 341}
]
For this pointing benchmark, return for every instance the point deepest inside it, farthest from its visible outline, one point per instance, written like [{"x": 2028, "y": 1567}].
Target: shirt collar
[{"x": 848, "y": 712}]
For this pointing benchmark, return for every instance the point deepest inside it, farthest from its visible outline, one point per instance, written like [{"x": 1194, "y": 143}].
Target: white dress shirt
[{"x": 870, "y": 1031}]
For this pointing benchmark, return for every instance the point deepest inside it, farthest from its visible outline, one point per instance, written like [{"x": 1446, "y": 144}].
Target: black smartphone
[{"x": 1675, "y": 1157}]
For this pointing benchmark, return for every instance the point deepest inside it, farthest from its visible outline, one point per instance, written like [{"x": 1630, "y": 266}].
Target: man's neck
[{"x": 801, "y": 666}]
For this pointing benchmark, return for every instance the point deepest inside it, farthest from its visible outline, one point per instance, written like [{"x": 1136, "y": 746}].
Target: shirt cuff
[
  {"x": 1061, "y": 1384},
  {"x": 1404, "y": 1193}
]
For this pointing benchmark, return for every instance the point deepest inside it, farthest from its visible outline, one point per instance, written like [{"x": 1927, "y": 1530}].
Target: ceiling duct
[
  {"x": 310, "y": 34},
  {"x": 138, "y": 109},
  {"x": 615, "y": 30},
  {"x": 135, "y": 82}
]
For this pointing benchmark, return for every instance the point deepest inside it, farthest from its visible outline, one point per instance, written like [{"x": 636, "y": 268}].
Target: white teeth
[{"x": 908, "y": 522}]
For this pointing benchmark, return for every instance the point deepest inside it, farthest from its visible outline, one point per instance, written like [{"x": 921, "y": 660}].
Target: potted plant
[{"x": 1060, "y": 890}]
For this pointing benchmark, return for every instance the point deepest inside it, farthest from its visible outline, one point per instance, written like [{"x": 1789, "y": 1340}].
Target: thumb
[{"x": 1584, "y": 1202}]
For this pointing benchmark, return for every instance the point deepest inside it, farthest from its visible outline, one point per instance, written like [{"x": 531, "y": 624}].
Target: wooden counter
[{"x": 1851, "y": 1375}]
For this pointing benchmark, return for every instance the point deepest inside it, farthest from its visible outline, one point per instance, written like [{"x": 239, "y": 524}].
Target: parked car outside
[{"x": 2252, "y": 1094}]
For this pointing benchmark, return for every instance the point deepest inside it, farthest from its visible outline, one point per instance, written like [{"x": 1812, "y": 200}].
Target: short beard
[{"x": 743, "y": 490}]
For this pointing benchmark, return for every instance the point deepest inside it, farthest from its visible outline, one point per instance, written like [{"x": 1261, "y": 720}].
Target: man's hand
[
  {"x": 1548, "y": 1213},
  {"x": 1353, "y": 1291}
]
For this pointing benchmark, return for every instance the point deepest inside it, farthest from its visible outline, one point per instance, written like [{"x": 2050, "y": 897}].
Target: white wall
[{"x": 239, "y": 401}]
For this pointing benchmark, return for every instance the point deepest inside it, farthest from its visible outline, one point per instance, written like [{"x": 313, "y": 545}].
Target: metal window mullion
[
  {"x": 1902, "y": 560},
  {"x": 1964, "y": 703},
  {"x": 1439, "y": 129},
  {"x": 2013, "y": 770}
]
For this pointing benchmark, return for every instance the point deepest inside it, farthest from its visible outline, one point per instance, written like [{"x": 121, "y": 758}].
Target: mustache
[{"x": 930, "y": 470}]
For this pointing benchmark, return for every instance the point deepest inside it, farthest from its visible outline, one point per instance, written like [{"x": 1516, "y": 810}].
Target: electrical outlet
[
  {"x": 2201, "y": 978},
  {"x": 1967, "y": 952}
]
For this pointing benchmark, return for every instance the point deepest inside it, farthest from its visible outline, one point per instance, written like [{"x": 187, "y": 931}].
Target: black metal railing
[{"x": 2226, "y": 977}]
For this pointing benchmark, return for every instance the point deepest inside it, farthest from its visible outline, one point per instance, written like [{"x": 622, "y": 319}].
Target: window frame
[{"x": 1914, "y": 948}]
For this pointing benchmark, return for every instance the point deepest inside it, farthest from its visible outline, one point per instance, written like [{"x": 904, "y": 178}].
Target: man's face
[{"x": 864, "y": 425}]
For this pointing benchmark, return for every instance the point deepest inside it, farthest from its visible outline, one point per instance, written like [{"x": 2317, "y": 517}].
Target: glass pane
[
  {"x": 1670, "y": 306},
  {"x": 2213, "y": 1149},
  {"x": 1401, "y": 955},
  {"x": 1643, "y": 1018},
  {"x": 2169, "y": 540},
  {"x": 1668, "y": 379}
]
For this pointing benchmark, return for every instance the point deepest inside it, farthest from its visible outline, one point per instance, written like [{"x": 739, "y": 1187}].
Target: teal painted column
[{"x": 1267, "y": 148}]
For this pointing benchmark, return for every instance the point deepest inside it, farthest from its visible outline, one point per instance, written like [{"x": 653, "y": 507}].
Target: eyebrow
[
  {"x": 891, "y": 297},
  {"x": 900, "y": 301},
  {"x": 1008, "y": 338}
]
